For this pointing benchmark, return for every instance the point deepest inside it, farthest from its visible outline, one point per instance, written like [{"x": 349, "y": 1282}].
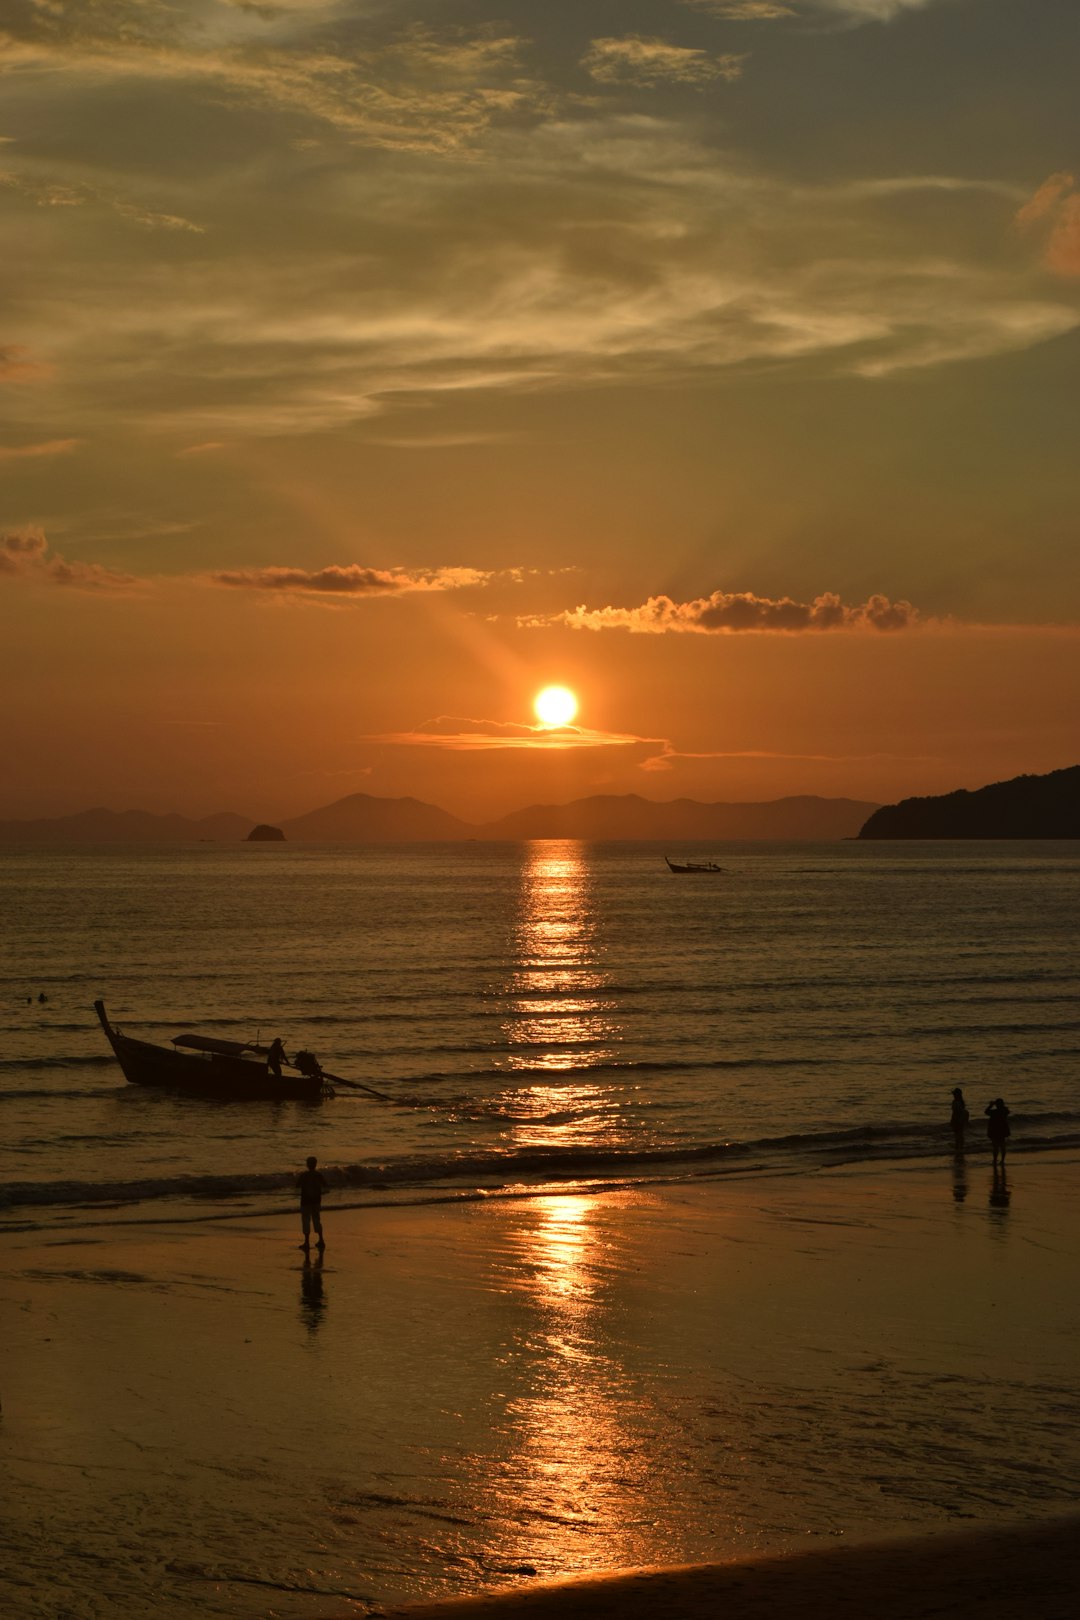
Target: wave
[
  {"x": 80, "y": 1060},
  {"x": 496, "y": 1167}
]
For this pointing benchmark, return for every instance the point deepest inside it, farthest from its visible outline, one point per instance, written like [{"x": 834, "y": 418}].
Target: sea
[
  {"x": 688, "y": 1268},
  {"x": 535, "y": 1014}
]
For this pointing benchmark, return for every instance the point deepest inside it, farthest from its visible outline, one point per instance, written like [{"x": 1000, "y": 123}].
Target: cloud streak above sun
[
  {"x": 25, "y": 555},
  {"x": 739, "y": 612},
  {"x": 350, "y": 580}
]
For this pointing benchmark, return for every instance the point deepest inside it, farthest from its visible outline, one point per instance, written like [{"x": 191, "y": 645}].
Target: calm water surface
[
  {"x": 554, "y": 1008},
  {"x": 704, "y": 1360}
]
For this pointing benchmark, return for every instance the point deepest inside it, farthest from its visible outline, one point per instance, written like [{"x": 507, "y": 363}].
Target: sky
[{"x": 368, "y": 365}]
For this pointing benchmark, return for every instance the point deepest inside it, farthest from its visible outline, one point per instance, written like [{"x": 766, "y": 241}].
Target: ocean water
[
  {"x": 536, "y": 1013},
  {"x": 689, "y": 1268}
]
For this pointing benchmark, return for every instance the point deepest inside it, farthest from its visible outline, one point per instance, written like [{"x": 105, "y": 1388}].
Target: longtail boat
[
  {"x": 207, "y": 1067},
  {"x": 692, "y": 866}
]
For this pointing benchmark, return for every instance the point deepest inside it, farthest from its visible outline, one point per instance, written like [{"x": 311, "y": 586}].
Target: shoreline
[
  {"x": 541, "y": 1388},
  {"x": 1007, "y": 1572}
]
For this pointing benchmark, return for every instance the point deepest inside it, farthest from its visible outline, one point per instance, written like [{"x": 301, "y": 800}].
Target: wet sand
[
  {"x": 1030, "y": 1572},
  {"x": 525, "y": 1390}
]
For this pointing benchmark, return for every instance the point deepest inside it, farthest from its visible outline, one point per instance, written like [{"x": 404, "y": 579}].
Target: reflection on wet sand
[
  {"x": 574, "y": 1463},
  {"x": 312, "y": 1294}
]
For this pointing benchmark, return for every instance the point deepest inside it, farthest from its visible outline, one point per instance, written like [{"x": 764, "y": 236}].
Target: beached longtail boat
[{"x": 207, "y": 1067}]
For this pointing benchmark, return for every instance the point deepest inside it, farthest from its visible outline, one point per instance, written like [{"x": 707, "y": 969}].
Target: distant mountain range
[
  {"x": 362, "y": 818},
  {"x": 1024, "y": 807}
]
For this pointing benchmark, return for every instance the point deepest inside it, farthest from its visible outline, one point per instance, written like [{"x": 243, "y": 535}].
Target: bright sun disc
[{"x": 555, "y": 706}]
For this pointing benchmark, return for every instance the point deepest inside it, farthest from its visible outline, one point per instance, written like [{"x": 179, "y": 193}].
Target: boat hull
[{"x": 205, "y": 1074}]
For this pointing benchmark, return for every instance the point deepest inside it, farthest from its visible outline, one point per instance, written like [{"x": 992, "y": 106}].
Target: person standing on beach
[
  {"x": 997, "y": 1128},
  {"x": 312, "y": 1185},
  {"x": 958, "y": 1118}
]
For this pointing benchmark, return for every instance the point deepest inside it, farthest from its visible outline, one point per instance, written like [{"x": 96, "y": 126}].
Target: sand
[
  {"x": 516, "y": 1392},
  {"x": 1030, "y": 1572}
]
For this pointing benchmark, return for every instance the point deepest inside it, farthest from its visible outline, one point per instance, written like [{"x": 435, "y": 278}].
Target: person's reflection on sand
[
  {"x": 959, "y": 1181},
  {"x": 312, "y": 1295},
  {"x": 999, "y": 1190}
]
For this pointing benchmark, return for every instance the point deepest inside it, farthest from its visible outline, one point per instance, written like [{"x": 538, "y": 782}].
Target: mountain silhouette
[
  {"x": 628, "y": 816},
  {"x": 363, "y": 818},
  {"x": 1023, "y": 807}
]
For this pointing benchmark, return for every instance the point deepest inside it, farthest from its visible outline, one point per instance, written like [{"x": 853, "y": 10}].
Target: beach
[{"x": 537, "y": 1386}]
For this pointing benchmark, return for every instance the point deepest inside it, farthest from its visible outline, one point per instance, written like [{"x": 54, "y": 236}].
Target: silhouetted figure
[
  {"x": 276, "y": 1057},
  {"x": 312, "y": 1186},
  {"x": 997, "y": 1128},
  {"x": 42, "y": 996},
  {"x": 958, "y": 1118},
  {"x": 308, "y": 1064}
]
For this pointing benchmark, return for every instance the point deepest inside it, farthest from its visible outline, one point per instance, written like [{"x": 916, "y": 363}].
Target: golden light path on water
[
  {"x": 560, "y": 1014},
  {"x": 571, "y": 1455}
]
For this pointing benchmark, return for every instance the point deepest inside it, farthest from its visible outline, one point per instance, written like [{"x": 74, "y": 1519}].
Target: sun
[{"x": 555, "y": 706}]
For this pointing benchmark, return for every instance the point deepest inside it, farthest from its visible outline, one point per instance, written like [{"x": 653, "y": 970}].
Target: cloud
[
  {"x": 632, "y": 60},
  {"x": 743, "y": 10},
  {"x": 350, "y": 580},
  {"x": 34, "y": 452},
  {"x": 24, "y": 555},
  {"x": 464, "y": 735},
  {"x": 873, "y": 10},
  {"x": 16, "y": 364},
  {"x": 856, "y": 11},
  {"x": 737, "y": 612},
  {"x": 46, "y": 192},
  {"x": 1054, "y": 214},
  {"x": 420, "y": 90}
]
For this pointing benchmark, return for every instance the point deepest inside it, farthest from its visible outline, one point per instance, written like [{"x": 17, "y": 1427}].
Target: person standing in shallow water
[
  {"x": 997, "y": 1128},
  {"x": 312, "y": 1185},
  {"x": 958, "y": 1118}
]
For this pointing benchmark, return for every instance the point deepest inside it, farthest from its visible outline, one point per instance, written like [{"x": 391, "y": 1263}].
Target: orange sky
[{"x": 366, "y": 367}]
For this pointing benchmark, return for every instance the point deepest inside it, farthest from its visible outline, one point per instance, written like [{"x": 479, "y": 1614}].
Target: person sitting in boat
[{"x": 276, "y": 1057}]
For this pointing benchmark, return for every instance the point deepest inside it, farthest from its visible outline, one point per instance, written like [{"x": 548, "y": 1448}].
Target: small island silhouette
[
  {"x": 1023, "y": 807},
  {"x": 264, "y": 834}
]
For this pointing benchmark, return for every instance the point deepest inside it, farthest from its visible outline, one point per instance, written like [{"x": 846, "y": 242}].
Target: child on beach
[
  {"x": 997, "y": 1128},
  {"x": 312, "y": 1185}
]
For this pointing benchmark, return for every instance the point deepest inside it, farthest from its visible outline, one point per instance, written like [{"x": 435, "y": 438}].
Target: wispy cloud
[
  {"x": 738, "y": 612},
  {"x": 633, "y": 60},
  {"x": 17, "y": 364},
  {"x": 45, "y": 450},
  {"x": 743, "y": 10},
  {"x": 1054, "y": 214},
  {"x": 464, "y": 735},
  {"x": 855, "y": 11},
  {"x": 422, "y": 90},
  {"x": 873, "y": 10},
  {"x": 25, "y": 556},
  {"x": 349, "y": 580}
]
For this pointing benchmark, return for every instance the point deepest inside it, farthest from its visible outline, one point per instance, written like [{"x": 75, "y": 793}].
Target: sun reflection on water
[{"x": 560, "y": 1017}]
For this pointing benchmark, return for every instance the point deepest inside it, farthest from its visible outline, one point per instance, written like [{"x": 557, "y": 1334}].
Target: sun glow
[{"x": 555, "y": 706}]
